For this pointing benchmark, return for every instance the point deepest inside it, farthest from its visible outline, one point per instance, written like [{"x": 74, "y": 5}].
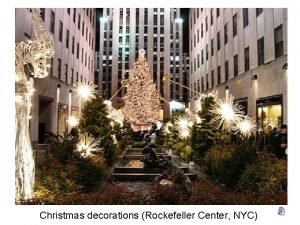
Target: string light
[
  {"x": 142, "y": 98},
  {"x": 34, "y": 53}
]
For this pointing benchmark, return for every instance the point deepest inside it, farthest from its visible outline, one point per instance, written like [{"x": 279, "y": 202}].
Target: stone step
[
  {"x": 140, "y": 156},
  {"x": 143, "y": 176},
  {"x": 143, "y": 170},
  {"x": 139, "y": 151}
]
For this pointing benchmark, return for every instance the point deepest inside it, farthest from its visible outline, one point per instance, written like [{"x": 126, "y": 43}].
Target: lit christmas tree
[{"x": 142, "y": 99}]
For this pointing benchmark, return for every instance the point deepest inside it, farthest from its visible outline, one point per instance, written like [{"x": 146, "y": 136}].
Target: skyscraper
[
  {"x": 244, "y": 51},
  {"x": 123, "y": 31}
]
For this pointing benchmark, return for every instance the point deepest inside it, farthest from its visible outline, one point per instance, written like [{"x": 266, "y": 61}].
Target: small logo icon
[{"x": 281, "y": 211}]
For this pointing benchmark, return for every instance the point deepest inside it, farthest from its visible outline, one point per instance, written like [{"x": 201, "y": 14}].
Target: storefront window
[
  {"x": 269, "y": 112},
  {"x": 62, "y": 119}
]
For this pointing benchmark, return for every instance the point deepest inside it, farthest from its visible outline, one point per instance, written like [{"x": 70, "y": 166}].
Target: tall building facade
[
  {"x": 124, "y": 31},
  {"x": 244, "y": 51},
  {"x": 55, "y": 97}
]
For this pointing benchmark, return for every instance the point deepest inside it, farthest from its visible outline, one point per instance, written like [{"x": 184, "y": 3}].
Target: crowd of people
[{"x": 273, "y": 140}]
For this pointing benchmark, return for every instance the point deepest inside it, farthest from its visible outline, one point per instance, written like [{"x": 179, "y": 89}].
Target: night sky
[{"x": 184, "y": 15}]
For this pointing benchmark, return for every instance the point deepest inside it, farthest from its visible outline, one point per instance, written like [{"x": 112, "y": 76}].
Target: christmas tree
[{"x": 142, "y": 99}]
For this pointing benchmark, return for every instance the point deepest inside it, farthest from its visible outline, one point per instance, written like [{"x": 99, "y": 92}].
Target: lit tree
[{"x": 142, "y": 99}]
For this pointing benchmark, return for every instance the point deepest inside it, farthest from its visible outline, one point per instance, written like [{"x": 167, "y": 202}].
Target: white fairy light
[
  {"x": 73, "y": 121},
  {"x": 36, "y": 53},
  {"x": 167, "y": 126},
  {"x": 227, "y": 114},
  {"x": 86, "y": 90},
  {"x": 184, "y": 133},
  {"x": 183, "y": 122},
  {"x": 247, "y": 126},
  {"x": 87, "y": 145}
]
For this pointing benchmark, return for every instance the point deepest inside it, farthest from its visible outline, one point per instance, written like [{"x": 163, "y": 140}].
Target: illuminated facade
[
  {"x": 243, "y": 51},
  {"x": 55, "y": 97}
]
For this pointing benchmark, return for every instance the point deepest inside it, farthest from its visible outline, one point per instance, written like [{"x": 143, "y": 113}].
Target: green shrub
[
  {"x": 229, "y": 163},
  {"x": 63, "y": 147},
  {"x": 266, "y": 176}
]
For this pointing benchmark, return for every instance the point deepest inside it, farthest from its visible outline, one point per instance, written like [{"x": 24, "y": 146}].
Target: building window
[
  {"x": 82, "y": 28},
  {"x": 201, "y": 30},
  {"x": 211, "y": 17},
  {"x": 67, "y": 39},
  {"x": 198, "y": 60},
  {"x": 202, "y": 57},
  {"x": 197, "y": 12},
  {"x": 202, "y": 84},
  {"x": 219, "y": 75},
  {"x": 52, "y": 22},
  {"x": 59, "y": 68},
  {"x": 278, "y": 36},
  {"x": 206, "y": 52},
  {"x": 42, "y": 13},
  {"x": 206, "y": 24},
  {"x": 226, "y": 70},
  {"x": 225, "y": 34},
  {"x": 218, "y": 41},
  {"x": 79, "y": 21},
  {"x": 194, "y": 40},
  {"x": 74, "y": 15},
  {"x": 236, "y": 65},
  {"x": 60, "y": 31},
  {"x": 72, "y": 76},
  {"x": 66, "y": 73},
  {"x": 198, "y": 36},
  {"x": 269, "y": 111},
  {"x": 207, "y": 83},
  {"x": 161, "y": 20},
  {"x": 247, "y": 59},
  {"x": 218, "y": 12},
  {"x": 212, "y": 79},
  {"x": 260, "y": 51},
  {"x": 234, "y": 25},
  {"x": 68, "y": 11},
  {"x": 77, "y": 52},
  {"x": 194, "y": 17},
  {"x": 81, "y": 55},
  {"x": 259, "y": 11},
  {"x": 73, "y": 45},
  {"x": 245, "y": 17},
  {"x": 77, "y": 77},
  {"x": 212, "y": 47}
]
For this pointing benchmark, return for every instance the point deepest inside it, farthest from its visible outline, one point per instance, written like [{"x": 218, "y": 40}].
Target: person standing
[
  {"x": 281, "y": 140},
  {"x": 153, "y": 138}
]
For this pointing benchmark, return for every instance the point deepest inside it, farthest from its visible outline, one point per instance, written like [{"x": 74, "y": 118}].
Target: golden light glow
[
  {"x": 141, "y": 98},
  {"x": 167, "y": 128},
  {"x": 87, "y": 145},
  {"x": 247, "y": 126},
  {"x": 226, "y": 113},
  {"x": 73, "y": 121},
  {"x": 86, "y": 90}
]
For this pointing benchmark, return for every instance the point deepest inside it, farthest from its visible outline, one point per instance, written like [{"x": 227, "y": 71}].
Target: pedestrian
[
  {"x": 153, "y": 138},
  {"x": 281, "y": 142}
]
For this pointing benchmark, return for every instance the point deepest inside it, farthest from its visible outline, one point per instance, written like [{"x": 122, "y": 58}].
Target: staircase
[{"x": 138, "y": 173}]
